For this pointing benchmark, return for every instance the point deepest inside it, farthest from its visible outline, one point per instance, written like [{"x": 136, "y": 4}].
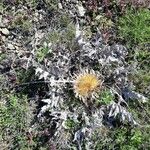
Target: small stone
[
  {"x": 81, "y": 10},
  {"x": 5, "y": 31},
  {"x": 60, "y": 6},
  {"x": 36, "y": 14},
  {"x": 10, "y": 46},
  {"x": 49, "y": 45},
  {"x": 3, "y": 38},
  {"x": 16, "y": 47},
  {"x": 45, "y": 44}
]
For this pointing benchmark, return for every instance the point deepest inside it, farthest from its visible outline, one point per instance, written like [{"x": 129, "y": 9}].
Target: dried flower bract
[{"x": 87, "y": 85}]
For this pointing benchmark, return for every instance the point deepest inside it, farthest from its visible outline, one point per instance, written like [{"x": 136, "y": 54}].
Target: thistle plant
[
  {"x": 76, "y": 77},
  {"x": 78, "y": 83}
]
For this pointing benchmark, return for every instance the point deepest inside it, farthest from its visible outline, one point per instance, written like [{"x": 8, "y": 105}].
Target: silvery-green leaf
[
  {"x": 97, "y": 118},
  {"x": 123, "y": 117},
  {"x": 116, "y": 111},
  {"x": 48, "y": 101},
  {"x": 43, "y": 109},
  {"x": 78, "y": 137},
  {"x": 112, "y": 107},
  {"x": 78, "y": 32},
  {"x": 128, "y": 94},
  {"x": 111, "y": 59}
]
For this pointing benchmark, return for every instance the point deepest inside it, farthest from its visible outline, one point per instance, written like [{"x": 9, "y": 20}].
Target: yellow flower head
[{"x": 87, "y": 85}]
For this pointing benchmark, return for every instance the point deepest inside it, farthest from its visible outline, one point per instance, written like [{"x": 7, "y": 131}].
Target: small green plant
[
  {"x": 134, "y": 27},
  {"x": 2, "y": 57},
  {"x": 25, "y": 75},
  {"x": 70, "y": 124},
  {"x": 42, "y": 52},
  {"x": 106, "y": 97}
]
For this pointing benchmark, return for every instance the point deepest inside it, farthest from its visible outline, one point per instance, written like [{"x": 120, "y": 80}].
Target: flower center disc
[{"x": 86, "y": 84}]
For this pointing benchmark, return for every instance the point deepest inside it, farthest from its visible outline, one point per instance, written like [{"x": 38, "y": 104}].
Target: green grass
[
  {"x": 65, "y": 37},
  {"x": 143, "y": 57},
  {"x": 141, "y": 77},
  {"x": 1, "y": 8},
  {"x": 125, "y": 138},
  {"x": 134, "y": 27},
  {"x": 22, "y": 21},
  {"x": 56, "y": 38},
  {"x": 14, "y": 121}
]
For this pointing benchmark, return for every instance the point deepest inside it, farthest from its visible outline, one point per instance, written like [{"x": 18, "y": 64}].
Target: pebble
[
  {"x": 16, "y": 47},
  {"x": 49, "y": 45},
  {"x": 5, "y": 31},
  {"x": 81, "y": 10},
  {"x": 10, "y": 46},
  {"x": 3, "y": 38},
  {"x": 60, "y": 6}
]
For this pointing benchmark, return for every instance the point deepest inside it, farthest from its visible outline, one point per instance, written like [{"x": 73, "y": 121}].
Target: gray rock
[
  {"x": 10, "y": 46},
  {"x": 5, "y": 31}
]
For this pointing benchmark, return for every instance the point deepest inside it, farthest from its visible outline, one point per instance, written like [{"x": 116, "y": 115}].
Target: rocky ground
[{"x": 46, "y": 46}]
